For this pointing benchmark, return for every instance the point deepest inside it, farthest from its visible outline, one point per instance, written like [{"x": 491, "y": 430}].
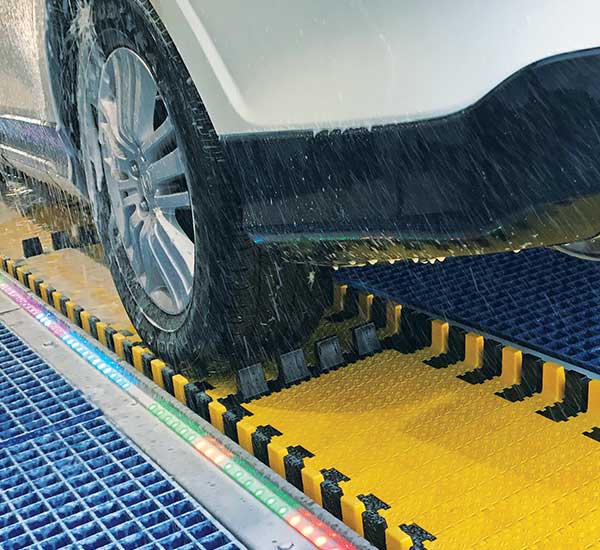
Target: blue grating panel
[
  {"x": 85, "y": 485},
  {"x": 539, "y": 298},
  {"x": 68, "y": 479},
  {"x": 32, "y": 395}
]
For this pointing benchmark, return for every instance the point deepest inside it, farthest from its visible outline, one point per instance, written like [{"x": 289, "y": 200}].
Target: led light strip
[{"x": 305, "y": 523}]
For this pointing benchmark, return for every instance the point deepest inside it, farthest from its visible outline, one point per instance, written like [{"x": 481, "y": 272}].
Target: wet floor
[
  {"x": 474, "y": 470},
  {"x": 26, "y": 211}
]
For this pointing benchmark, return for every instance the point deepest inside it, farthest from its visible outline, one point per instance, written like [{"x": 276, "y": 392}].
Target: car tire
[{"x": 244, "y": 304}]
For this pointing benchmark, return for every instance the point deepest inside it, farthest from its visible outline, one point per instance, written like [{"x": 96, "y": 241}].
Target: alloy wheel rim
[{"x": 146, "y": 180}]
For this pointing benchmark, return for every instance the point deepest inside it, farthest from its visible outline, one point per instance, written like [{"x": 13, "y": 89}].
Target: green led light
[{"x": 248, "y": 478}]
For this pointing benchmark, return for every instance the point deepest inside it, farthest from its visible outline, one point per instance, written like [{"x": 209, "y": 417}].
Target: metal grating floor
[
  {"x": 33, "y": 397},
  {"x": 69, "y": 479},
  {"x": 539, "y": 298}
]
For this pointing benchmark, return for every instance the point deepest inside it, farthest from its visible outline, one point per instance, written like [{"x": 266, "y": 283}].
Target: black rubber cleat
[
  {"x": 350, "y": 307},
  {"x": 492, "y": 364},
  {"x": 329, "y": 353},
  {"x": 260, "y": 439},
  {"x": 415, "y": 332},
  {"x": 294, "y": 463},
  {"x": 196, "y": 398},
  {"x": 575, "y": 400},
  {"x": 32, "y": 247},
  {"x": 60, "y": 240},
  {"x": 379, "y": 312},
  {"x": 365, "y": 340},
  {"x": 456, "y": 350},
  {"x": 86, "y": 235},
  {"x": 418, "y": 535},
  {"x": 127, "y": 353},
  {"x": 351, "y": 302},
  {"x": 374, "y": 525},
  {"x": 293, "y": 368},
  {"x": 419, "y": 325},
  {"x": 231, "y": 417},
  {"x": 109, "y": 333},
  {"x": 251, "y": 382},
  {"x": 76, "y": 312},
  {"x": 26, "y": 276},
  {"x": 531, "y": 380},
  {"x": 147, "y": 359},
  {"x": 63, "y": 305},
  {"x": 167, "y": 376},
  {"x": 93, "y": 321},
  {"x": 36, "y": 285},
  {"x": 594, "y": 434},
  {"x": 331, "y": 492},
  {"x": 50, "y": 290}
]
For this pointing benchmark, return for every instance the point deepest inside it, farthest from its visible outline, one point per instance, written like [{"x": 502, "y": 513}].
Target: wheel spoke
[
  {"x": 152, "y": 145},
  {"x": 173, "y": 256},
  {"x": 151, "y": 274},
  {"x": 166, "y": 170},
  {"x": 128, "y": 186},
  {"x": 122, "y": 164},
  {"x": 131, "y": 201},
  {"x": 173, "y": 201},
  {"x": 120, "y": 174},
  {"x": 181, "y": 251},
  {"x": 135, "y": 92},
  {"x": 109, "y": 128},
  {"x": 132, "y": 240}
]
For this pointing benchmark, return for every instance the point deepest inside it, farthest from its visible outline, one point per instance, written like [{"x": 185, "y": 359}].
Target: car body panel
[
  {"x": 28, "y": 138},
  {"x": 25, "y": 89},
  {"x": 271, "y": 65}
]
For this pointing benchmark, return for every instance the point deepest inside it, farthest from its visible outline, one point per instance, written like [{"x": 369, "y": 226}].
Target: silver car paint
[
  {"x": 270, "y": 65},
  {"x": 27, "y": 139},
  {"x": 273, "y": 65},
  {"x": 24, "y": 88}
]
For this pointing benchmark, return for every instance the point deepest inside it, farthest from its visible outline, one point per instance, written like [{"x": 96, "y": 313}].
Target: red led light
[
  {"x": 210, "y": 451},
  {"x": 216, "y": 445},
  {"x": 295, "y": 520},
  {"x": 200, "y": 444},
  {"x": 219, "y": 458},
  {"x": 318, "y": 533},
  {"x": 308, "y": 530}
]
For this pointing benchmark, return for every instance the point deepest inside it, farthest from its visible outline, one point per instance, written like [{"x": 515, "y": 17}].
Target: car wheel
[{"x": 168, "y": 213}]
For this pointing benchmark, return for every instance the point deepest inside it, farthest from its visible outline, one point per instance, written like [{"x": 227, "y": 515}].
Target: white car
[{"x": 227, "y": 147}]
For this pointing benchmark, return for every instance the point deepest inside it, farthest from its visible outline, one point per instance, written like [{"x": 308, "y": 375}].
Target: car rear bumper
[{"x": 519, "y": 168}]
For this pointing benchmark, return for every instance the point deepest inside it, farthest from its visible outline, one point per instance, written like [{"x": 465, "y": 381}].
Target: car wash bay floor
[{"x": 469, "y": 467}]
